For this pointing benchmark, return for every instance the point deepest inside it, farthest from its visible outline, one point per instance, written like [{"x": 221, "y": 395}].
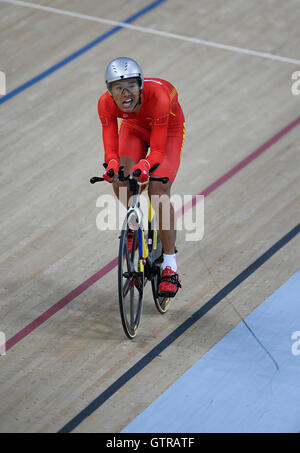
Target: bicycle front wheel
[{"x": 130, "y": 284}]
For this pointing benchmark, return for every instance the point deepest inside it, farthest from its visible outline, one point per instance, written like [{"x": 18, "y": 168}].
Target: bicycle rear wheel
[
  {"x": 156, "y": 253},
  {"x": 130, "y": 284}
]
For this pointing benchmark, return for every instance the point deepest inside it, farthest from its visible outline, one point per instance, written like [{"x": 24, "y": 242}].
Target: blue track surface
[{"x": 248, "y": 382}]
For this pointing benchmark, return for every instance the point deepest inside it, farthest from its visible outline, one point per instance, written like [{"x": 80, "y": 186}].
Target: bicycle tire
[{"x": 130, "y": 285}]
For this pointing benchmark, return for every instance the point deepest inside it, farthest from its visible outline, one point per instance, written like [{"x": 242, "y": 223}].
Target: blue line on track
[
  {"x": 144, "y": 361},
  {"x": 79, "y": 52}
]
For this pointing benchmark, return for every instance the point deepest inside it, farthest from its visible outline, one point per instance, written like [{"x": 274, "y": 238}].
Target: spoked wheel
[
  {"x": 156, "y": 252},
  {"x": 131, "y": 284}
]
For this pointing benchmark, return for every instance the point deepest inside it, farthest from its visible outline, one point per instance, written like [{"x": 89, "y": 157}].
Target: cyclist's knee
[
  {"x": 159, "y": 189},
  {"x": 121, "y": 190}
]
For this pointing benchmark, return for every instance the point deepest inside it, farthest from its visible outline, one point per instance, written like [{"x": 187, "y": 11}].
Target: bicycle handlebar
[
  {"x": 136, "y": 173},
  {"x": 96, "y": 179},
  {"x": 110, "y": 173}
]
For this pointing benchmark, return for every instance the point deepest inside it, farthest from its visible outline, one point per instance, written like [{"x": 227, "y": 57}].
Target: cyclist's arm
[
  {"x": 109, "y": 132},
  {"x": 159, "y": 130}
]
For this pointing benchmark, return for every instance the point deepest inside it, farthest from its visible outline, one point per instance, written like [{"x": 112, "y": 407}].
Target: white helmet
[{"x": 123, "y": 68}]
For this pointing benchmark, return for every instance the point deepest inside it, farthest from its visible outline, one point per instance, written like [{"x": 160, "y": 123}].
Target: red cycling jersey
[{"x": 160, "y": 117}]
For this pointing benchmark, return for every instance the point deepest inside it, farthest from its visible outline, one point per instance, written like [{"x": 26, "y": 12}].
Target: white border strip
[{"x": 155, "y": 32}]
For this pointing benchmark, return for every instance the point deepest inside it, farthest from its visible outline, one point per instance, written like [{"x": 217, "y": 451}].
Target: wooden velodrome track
[{"x": 232, "y": 63}]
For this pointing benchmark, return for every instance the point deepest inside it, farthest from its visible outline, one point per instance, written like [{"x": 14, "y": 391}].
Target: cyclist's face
[{"x": 126, "y": 94}]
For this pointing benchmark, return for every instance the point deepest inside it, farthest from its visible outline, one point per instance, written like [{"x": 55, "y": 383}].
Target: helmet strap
[{"x": 139, "y": 102}]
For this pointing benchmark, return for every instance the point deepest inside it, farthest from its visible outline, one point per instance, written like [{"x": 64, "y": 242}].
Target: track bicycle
[{"x": 141, "y": 262}]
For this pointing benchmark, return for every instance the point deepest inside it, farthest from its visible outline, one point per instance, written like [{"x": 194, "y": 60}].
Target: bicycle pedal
[
  {"x": 138, "y": 274},
  {"x": 166, "y": 294},
  {"x": 133, "y": 274}
]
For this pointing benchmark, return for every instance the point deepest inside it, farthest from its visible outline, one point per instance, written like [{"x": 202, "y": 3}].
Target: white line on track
[{"x": 155, "y": 32}]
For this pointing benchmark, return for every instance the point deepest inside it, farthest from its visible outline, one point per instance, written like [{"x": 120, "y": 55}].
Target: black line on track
[{"x": 142, "y": 363}]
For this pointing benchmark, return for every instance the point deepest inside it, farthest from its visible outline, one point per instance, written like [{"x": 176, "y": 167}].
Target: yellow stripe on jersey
[
  {"x": 183, "y": 138},
  {"x": 173, "y": 94}
]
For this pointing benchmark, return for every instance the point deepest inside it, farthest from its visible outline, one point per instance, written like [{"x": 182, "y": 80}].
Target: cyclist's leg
[
  {"x": 160, "y": 199},
  {"x": 159, "y": 192},
  {"x": 168, "y": 167},
  {"x": 121, "y": 188}
]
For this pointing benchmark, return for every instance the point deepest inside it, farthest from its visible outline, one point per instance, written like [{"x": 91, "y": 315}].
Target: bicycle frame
[
  {"x": 134, "y": 273},
  {"x": 143, "y": 240},
  {"x": 137, "y": 212}
]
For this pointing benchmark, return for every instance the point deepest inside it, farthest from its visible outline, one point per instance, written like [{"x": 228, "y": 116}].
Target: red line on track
[
  {"x": 60, "y": 304},
  {"x": 108, "y": 267}
]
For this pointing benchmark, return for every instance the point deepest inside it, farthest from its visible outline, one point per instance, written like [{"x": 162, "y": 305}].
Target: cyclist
[{"x": 151, "y": 115}]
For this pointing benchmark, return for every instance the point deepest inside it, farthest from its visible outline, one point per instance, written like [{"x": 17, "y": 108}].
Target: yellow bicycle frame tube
[
  {"x": 151, "y": 212},
  {"x": 143, "y": 249}
]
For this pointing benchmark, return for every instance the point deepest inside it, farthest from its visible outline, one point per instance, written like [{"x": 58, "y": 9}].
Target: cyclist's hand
[
  {"x": 111, "y": 171},
  {"x": 144, "y": 167}
]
